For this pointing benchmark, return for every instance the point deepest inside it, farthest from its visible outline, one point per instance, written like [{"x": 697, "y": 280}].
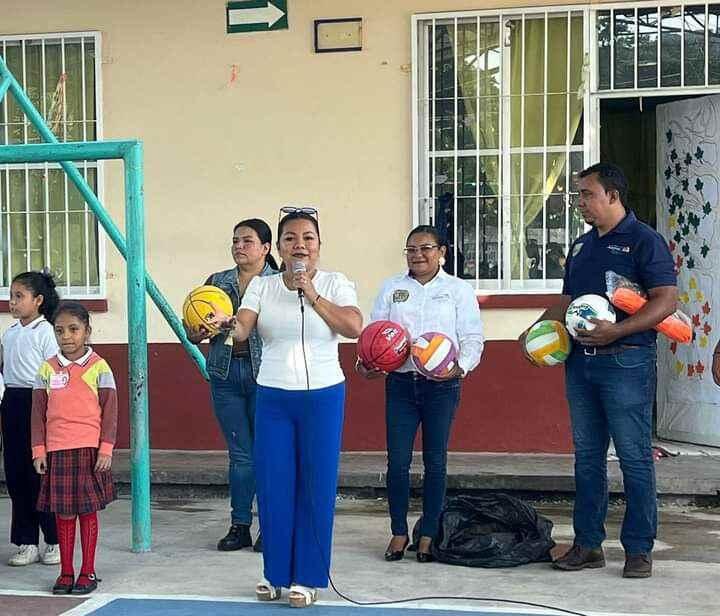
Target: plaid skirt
[{"x": 71, "y": 486}]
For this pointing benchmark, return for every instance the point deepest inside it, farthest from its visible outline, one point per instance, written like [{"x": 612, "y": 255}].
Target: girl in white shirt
[
  {"x": 300, "y": 315},
  {"x": 26, "y": 344},
  {"x": 424, "y": 299}
]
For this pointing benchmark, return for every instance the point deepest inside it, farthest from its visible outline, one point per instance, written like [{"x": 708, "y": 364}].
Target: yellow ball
[{"x": 198, "y": 307}]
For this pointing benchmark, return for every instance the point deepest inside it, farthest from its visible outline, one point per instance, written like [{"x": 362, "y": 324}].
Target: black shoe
[
  {"x": 258, "y": 546},
  {"x": 424, "y": 557},
  {"x": 85, "y": 584},
  {"x": 391, "y": 555},
  {"x": 64, "y": 584},
  {"x": 578, "y": 557},
  {"x": 637, "y": 566},
  {"x": 238, "y": 537}
]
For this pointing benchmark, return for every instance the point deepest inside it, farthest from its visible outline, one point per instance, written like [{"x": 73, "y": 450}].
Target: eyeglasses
[{"x": 424, "y": 249}]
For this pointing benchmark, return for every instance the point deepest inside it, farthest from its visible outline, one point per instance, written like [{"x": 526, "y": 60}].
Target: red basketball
[{"x": 383, "y": 345}]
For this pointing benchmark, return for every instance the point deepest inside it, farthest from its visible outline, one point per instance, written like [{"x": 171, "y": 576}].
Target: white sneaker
[
  {"x": 26, "y": 555},
  {"x": 51, "y": 555}
]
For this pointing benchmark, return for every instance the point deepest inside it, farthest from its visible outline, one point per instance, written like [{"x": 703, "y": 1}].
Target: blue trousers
[
  {"x": 297, "y": 441},
  {"x": 234, "y": 404},
  {"x": 612, "y": 396},
  {"x": 411, "y": 400}
]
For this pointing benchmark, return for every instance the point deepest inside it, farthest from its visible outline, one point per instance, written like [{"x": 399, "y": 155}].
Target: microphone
[{"x": 297, "y": 267}]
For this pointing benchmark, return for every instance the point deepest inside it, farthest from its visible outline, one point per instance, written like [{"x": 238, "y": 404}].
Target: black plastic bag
[{"x": 491, "y": 530}]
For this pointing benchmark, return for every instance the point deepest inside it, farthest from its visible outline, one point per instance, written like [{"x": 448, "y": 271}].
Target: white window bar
[
  {"x": 544, "y": 163},
  {"x": 67, "y": 232},
  {"x": 63, "y": 76},
  {"x": 433, "y": 103},
  {"x": 500, "y": 160},
  {"x": 46, "y": 207},
  {"x": 521, "y": 231},
  {"x": 707, "y": 44},
  {"x": 26, "y": 171},
  {"x": 24, "y": 85},
  {"x": 8, "y": 238},
  {"x": 682, "y": 45},
  {"x": 8, "y": 241},
  {"x": 85, "y": 167},
  {"x": 568, "y": 94},
  {"x": 46, "y": 167},
  {"x": 612, "y": 49},
  {"x": 637, "y": 40},
  {"x": 44, "y": 85},
  {"x": 99, "y": 167},
  {"x": 455, "y": 141},
  {"x": 420, "y": 110},
  {"x": 27, "y": 217},
  {"x": 659, "y": 47},
  {"x": 477, "y": 148},
  {"x": 2, "y": 259},
  {"x": 505, "y": 220}
]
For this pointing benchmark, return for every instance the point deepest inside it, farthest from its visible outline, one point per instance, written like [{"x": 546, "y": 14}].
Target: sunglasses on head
[{"x": 291, "y": 209}]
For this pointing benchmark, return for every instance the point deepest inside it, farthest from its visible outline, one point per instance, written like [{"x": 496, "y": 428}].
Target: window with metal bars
[
  {"x": 500, "y": 103},
  {"x": 44, "y": 221},
  {"x": 658, "y": 46}
]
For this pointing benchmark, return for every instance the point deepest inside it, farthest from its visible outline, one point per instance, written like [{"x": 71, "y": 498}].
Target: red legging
[{"x": 89, "y": 530}]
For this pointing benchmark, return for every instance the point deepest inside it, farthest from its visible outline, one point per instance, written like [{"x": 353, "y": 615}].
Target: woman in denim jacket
[{"x": 232, "y": 367}]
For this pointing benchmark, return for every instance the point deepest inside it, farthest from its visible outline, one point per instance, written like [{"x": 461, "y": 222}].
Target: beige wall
[{"x": 331, "y": 130}]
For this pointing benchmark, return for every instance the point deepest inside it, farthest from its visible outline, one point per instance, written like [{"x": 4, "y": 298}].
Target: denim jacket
[{"x": 218, "y": 362}]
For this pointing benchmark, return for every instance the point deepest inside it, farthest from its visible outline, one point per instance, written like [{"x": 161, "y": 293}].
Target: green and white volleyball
[
  {"x": 587, "y": 307},
  {"x": 548, "y": 343}
]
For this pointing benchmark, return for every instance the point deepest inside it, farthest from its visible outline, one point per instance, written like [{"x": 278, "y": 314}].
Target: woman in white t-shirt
[{"x": 300, "y": 315}]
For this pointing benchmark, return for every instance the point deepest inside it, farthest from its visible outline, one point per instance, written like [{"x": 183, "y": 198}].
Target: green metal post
[
  {"x": 107, "y": 223},
  {"x": 137, "y": 350},
  {"x": 4, "y": 85}
]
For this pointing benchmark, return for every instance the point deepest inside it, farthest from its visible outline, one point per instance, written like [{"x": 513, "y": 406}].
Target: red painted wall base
[{"x": 507, "y": 405}]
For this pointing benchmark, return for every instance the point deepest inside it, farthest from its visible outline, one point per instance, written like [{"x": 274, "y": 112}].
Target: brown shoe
[
  {"x": 578, "y": 557},
  {"x": 637, "y": 566}
]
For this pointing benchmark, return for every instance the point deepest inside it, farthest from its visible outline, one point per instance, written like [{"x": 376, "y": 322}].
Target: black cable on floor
[{"x": 409, "y": 599}]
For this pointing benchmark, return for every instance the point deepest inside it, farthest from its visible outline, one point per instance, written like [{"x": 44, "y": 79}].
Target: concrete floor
[{"x": 184, "y": 562}]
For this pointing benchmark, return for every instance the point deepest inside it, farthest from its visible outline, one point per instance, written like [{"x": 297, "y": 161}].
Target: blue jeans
[
  {"x": 298, "y": 444},
  {"x": 411, "y": 400},
  {"x": 234, "y": 403},
  {"x": 612, "y": 396}
]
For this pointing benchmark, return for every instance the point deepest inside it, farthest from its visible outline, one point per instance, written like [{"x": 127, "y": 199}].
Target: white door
[{"x": 688, "y": 215}]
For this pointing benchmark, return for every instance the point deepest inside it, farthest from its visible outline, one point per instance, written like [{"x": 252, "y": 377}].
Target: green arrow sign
[{"x": 257, "y": 15}]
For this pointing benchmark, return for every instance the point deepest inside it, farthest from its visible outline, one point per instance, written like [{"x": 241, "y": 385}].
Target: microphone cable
[{"x": 326, "y": 565}]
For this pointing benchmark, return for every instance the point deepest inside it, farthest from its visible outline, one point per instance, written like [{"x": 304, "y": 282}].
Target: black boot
[{"x": 238, "y": 537}]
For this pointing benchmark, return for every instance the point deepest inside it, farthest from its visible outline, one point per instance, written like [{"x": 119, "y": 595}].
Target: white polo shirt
[
  {"x": 445, "y": 304},
  {"x": 24, "y": 349},
  {"x": 279, "y": 325}
]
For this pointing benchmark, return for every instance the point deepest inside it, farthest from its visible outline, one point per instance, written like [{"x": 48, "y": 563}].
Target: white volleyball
[{"x": 587, "y": 307}]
